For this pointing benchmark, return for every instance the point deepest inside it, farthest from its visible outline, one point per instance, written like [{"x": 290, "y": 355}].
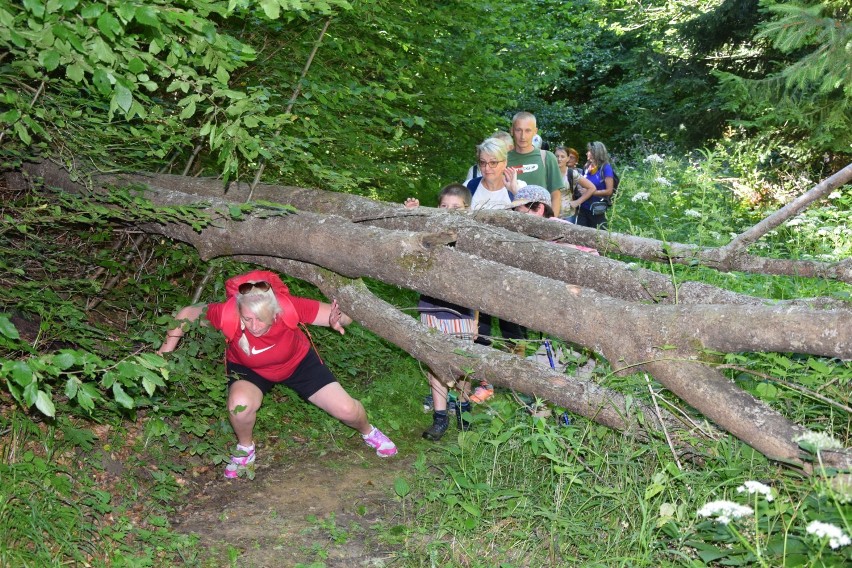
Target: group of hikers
[
  {"x": 514, "y": 172},
  {"x": 261, "y": 320}
]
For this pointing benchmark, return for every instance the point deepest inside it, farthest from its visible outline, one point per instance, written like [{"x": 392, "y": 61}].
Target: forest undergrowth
[{"x": 103, "y": 440}]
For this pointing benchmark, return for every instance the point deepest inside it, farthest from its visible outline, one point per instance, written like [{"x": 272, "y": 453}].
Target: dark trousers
[
  {"x": 586, "y": 219},
  {"x": 509, "y": 330}
]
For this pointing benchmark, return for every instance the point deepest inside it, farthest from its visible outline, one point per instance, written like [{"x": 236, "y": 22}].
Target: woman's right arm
[{"x": 187, "y": 314}]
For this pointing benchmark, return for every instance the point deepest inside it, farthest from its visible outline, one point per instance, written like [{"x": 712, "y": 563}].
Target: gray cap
[{"x": 531, "y": 194}]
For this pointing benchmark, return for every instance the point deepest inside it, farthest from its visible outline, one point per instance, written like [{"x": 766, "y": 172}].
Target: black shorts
[{"x": 309, "y": 377}]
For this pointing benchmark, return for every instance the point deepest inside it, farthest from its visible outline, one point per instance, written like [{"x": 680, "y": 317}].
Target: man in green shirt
[{"x": 534, "y": 166}]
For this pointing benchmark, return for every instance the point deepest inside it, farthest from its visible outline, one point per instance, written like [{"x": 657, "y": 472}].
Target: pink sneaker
[
  {"x": 379, "y": 442},
  {"x": 239, "y": 463}
]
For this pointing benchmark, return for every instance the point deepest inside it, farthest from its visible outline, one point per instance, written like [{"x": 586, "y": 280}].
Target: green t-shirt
[{"x": 531, "y": 170}]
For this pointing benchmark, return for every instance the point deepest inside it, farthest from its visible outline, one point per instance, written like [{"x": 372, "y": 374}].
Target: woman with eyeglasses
[
  {"x": 260, "y": 321},
  {"x": 496, "y": 186}
]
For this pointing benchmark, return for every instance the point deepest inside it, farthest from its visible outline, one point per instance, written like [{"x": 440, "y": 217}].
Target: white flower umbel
[
  {"x": 654, "y": 159},
  {"x": 663, "y": 181},
  {"x": 756, "y": 487},
  {"x": 724, "y": 511},
  {"x": 641, "y": 196},
  {"x": 835, "y": 535},
  {"x": 820, "y": 440},
  {"x": 692, "y": 213}
]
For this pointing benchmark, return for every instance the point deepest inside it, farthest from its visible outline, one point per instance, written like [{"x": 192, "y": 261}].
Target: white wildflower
[
  {"x": 663, "y": 181},
  {"x": 832, "y": 195},
  {"x": 692, "y": 213},
  {"x": 836, "y": 536},
  {"x": 641, "y": 196},
  {"x": 756, "y": 487},
  {"x": 724, "y": 511},
  {"x": 715, "y": 235},
  {"x": 654, "y": 159},
  {"x": 820, "y": 440},
  {"x": 732, "y": 235}
]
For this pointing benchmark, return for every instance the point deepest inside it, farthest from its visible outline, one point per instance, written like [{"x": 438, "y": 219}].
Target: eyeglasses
[
  {"x": 491, "y": 164},
  {"x": 247, "y": 287}
]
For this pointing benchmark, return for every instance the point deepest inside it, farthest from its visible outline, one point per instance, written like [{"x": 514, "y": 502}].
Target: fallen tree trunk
[
  {"x": 608, "y": 276},
  {"x": 731, "y": 257},
  {"x": 667, "y": 341}
]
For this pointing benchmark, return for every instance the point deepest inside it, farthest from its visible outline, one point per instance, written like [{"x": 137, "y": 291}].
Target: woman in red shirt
[{"x": 265, "y": 347}]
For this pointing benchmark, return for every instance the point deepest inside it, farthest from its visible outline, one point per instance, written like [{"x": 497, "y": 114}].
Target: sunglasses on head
[{"x": 247, "y": 287}]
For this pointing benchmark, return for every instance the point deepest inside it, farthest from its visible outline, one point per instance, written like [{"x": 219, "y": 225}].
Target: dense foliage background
[
  {"x": 398, "y": 93},
  {"x": 715, "y": 111}
]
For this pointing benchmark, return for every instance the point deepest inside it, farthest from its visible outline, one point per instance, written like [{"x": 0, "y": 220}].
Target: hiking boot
[
  {"x": 241, "y": 461},
  {"x": 463, "y": 424},
  {"x": 440, "y": 423},
  {"x": 482, "y": 393},
  {"x": 379, "y": 442}
]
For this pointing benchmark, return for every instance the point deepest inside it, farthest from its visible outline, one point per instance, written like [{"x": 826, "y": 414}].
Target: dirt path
[{"x": 301, "y": 509}]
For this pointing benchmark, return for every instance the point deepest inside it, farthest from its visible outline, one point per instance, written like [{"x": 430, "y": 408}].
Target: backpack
[
  {"x": 615, "y": 181},
  {"x": 231, "y": 324}
]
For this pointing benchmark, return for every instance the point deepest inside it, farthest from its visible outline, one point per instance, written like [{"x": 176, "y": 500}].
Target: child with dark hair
[{"x": 448, "y": 318}]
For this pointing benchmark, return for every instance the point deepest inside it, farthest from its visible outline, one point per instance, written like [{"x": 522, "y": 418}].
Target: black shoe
[
  {"x": 440, "y": 423},
  {"x": 463, "y": 425}
]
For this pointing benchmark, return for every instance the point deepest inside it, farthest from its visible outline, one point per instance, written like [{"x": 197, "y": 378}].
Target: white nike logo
[{"x": 256, "y": 351}]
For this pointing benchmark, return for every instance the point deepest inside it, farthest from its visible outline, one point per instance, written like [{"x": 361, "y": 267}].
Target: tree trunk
[{"x": 671, "y": 342}]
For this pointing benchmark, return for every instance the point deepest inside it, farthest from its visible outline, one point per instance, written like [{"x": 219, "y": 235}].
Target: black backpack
[{"x": 615, "y": 181}]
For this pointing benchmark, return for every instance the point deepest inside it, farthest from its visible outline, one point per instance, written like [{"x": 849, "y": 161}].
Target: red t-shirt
[{"x": 275, "y": 354}]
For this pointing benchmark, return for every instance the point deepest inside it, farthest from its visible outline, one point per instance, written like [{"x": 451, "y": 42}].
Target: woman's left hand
[
  {"x": 510, "y": 178},
  {"x": 337, "y": 319}
]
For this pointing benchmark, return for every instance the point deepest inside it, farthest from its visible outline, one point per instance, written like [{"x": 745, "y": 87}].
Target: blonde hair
[
  {"x": 264, "y": 305},
  {"x": 494, "y": 146}
]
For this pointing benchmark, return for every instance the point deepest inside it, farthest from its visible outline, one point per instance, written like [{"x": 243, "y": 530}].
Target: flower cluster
[
  {"x": 835, "y": 535},
  {"x": 641, "y": 196},
  {"x": 654, "y": 159},
  {"x": 663, "y": 181},
  {"x": 756, "y": 487},
  {"x": 820, "y": 440},
  {"x": 692, "y": 213},
  {"x": 724, "y": 511}
]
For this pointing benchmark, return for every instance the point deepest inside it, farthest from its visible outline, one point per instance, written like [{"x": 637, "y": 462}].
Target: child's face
[{"x": 452, "y": 202}]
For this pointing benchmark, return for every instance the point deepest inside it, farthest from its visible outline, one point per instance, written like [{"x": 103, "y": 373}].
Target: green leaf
[
  {"x": 148, "y": 16},
  {"x": 31, "y": 393},
  {"x": 45, "y": 404},
  {"x": 86, "y": 396},
  {"x": 7, "y": 328},
  {"x": 401, "y": 487},
  {"x": 50, "y": 59},
  {"x": 74, "y": 72},
  {"x": 125, "y": 11},
  {"x": 188, "y": 111},
  {"x": 109, "y": 26},
  {"x": 123, "y": 97},
  {"x": 271, "y": 8},
  {"x": 71, "y": 388},
  {"x": 21, "y": 373},
  {"x": 36, "y": 7},
  {"x": 92, "y": 11},
  {"x": 136, "y": 65},
  {"x": 64, "y": 360},
  {"x": 121, "y": 397}
]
